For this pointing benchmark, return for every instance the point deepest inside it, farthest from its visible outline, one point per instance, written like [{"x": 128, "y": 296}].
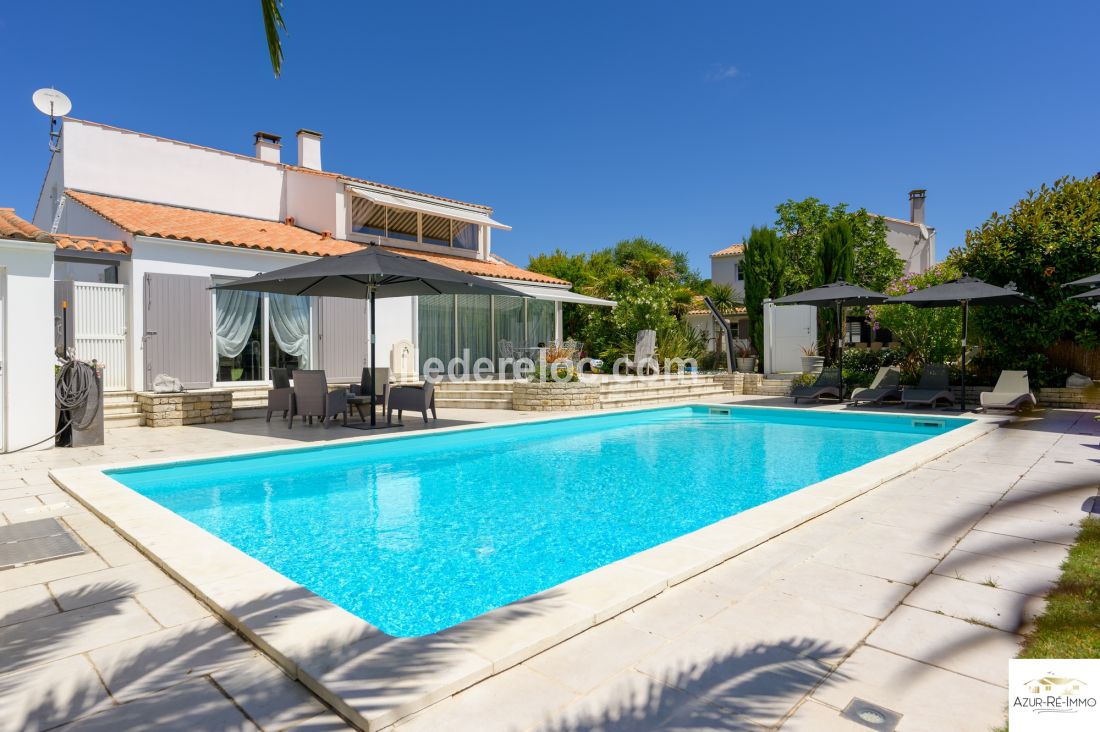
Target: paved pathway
[{"x": 911, "y": 597}]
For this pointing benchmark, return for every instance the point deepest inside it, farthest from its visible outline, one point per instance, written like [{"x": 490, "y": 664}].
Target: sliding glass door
[{"x": 448, "y": 324}]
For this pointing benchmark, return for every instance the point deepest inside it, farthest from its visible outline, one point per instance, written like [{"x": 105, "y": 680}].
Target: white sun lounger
[{"x": 1011, "y": 392}]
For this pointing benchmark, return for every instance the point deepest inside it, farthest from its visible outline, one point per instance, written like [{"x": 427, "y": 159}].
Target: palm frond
[{"x": 273, "y": 23}]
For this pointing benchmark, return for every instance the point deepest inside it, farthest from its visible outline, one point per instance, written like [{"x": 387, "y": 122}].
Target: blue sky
[{"x": 586, "y": 122}]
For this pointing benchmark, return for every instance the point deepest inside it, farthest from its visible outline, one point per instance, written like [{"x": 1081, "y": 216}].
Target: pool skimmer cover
[{"x": 35, "y": 541}]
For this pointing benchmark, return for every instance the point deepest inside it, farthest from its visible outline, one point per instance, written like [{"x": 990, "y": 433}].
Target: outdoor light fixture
[{"x": 870, "y": 715}]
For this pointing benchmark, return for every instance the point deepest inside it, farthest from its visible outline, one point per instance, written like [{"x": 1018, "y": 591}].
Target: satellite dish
[
  {"x": 52, "y": 102},
  {"x": 55, "y": 104}
]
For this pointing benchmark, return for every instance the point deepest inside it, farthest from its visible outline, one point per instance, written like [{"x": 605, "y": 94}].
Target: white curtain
[
  {"x": 236, "y": 316},
  {"x": 290, "y": 325}
]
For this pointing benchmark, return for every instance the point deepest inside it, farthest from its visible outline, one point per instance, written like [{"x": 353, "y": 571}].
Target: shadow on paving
[
  {"x": 332, "y": 430},
  {"x": 763, "y": 681}
]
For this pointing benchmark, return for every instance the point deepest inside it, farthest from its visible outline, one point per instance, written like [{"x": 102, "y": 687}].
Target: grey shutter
[
  {"x": 343, "y": 330},
  {"x": 178, "y": 322}
]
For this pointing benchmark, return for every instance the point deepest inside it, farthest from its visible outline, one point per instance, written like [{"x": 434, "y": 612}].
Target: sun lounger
[
  {"x": 932, "y": 388},
  {"x": 827, "y": 384},
  {"x": 1011, "y": 392},
  {"x": 885, "y": 386}
]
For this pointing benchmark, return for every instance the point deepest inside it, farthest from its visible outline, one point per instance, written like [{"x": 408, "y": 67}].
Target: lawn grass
[{"x": 1070, "y": 626}]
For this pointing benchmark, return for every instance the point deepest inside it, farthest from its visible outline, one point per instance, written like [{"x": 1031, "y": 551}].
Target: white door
[
  {"x": 100, "y": 330},
  {"x": 787, "y": 329}
]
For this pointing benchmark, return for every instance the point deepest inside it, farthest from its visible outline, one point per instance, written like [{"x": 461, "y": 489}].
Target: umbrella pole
[
  {"x": 962, "y": 364},
  {"x": 840, "y": 348},
  {"x": 373, "y": 379}
]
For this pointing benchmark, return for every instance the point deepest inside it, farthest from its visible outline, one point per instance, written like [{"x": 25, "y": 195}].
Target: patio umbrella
[
  {"x": 371, "y": 272},
  {"x": 837, "y": 295},
  {"x": 1090, "y": 296},
  {"x": 962, "y": 291},
  {"x": 1092, "y": 280}
]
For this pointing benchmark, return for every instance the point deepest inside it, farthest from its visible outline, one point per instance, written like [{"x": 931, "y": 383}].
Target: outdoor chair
[
  {"x": 312, "y": 398},
  {"x": 281, "y": 396},
  {"x": 645, "y": 352},
  {"x": 414, "y": 398},
  {"x": 826, "y": 384},
  {"x": 360, "y": 393},
  {"x": 885, "y": 386},
  {"x": 932, "y": 388},
  {"x": 1011, "y": 392}
]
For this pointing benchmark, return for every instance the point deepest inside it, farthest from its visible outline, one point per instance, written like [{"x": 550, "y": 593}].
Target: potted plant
[
  {"x": 746, "y": 358},
  {"x": 811, "y": 362}
]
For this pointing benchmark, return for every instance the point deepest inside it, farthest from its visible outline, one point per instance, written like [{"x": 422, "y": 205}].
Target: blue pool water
[{"x": 420, "y": 533}]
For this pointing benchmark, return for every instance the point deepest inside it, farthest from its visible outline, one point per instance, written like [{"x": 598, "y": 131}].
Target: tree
[
  {"x": 930, "y": 335},
  {"x": 1048, "y": 238},
  {"x": 273, "y": 22},
  {"x": 835, "y": 260},
  {"x": 801, "y": 224},
  {"x": 765, "y": 277}
]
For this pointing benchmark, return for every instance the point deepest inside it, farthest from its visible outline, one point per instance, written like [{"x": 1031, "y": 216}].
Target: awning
[
  {"x": 559, "y": 294},
  {"x": 434, "y": 208}
]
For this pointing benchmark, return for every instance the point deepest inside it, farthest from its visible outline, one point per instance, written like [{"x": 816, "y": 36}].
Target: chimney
[
  {"x": 916, "y": 205},
  {"x": 309, "y": 149},
  {"x": 267, "y": 147}
]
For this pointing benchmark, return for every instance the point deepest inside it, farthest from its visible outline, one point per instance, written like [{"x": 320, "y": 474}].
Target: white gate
[
  {"x": 787, "y": 328},
  {"x": 99, "y": 330}
]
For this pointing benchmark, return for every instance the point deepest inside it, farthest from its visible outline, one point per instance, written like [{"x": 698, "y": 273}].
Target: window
[
  {"x": 740, "y": 272},
  {"x": 465, "y": 235},
  {"x": 239, "y": 335},
  {"x": 447, "y": 324},
  {"x": 367, "y": 217},
  {"x": 437, "y": 230},
  {"x": 86, "y": 270},
  {"x": 247, "y": 344}
]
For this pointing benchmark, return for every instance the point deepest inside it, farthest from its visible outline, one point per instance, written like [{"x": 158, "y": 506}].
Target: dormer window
[{"x": 397, "y": 218}]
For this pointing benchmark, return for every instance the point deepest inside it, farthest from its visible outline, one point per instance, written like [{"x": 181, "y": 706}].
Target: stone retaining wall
[
  {"x": 551, "y": 396},
  {"x": 189, "y": 407}
]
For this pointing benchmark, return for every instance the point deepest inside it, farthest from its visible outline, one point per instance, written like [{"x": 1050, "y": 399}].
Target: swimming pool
[{"x": 419, "y": 533}]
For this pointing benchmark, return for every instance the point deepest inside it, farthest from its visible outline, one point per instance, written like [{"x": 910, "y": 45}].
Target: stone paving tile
[
  {"x": 1004, "y": 609},
  {"x": 1043, "y": 553},
  {"x": 928, "y": 697},
  {"x": 172, "y": 605},
  {"x": 167, "y": 657},
  {"x": 677, "y": 609},
  {"x": 935, "y": 545},
  {"x": 51, "y": 694},
  {"x": 195, "y": 705},
  {"x": 26, "y": 603},
  {"x": 513, "y": 700},
  {"x": 854, "y": 591},
  {"x": 587, "y": 660},
  {"x": 813, "y": 716},
  {"x": 270, "y": 698},
  {"x": 107, "y": 584},
  {"x": 119, "y": 553},
  {"x": 1007, "y": 574},
  {"x": 57, "y": 636},
  {"x": 876, "y": 561},
  {"x": 947, "y": 642},
  {"x": 1063, "y": 532}
]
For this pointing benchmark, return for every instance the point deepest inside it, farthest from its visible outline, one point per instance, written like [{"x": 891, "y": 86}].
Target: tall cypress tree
[
  {"x": 836, "y": 258},
  {"x": 765, "y": 266}
]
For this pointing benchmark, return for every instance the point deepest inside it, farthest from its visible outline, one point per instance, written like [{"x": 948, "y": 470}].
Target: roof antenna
[{"x": 55, "y": 104}]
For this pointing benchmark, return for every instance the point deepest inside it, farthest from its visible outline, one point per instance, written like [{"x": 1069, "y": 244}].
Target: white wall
[
  {"x": 26, "y": 288},
  {"x": 52, "y": 187},
  {"x": 162, "y": 256},
  {"x": 915, "y": 245},
  {"x": 723, "y": 270},
  {"x": 130, "y": 165},
  {"x": 316, "y": 202}
]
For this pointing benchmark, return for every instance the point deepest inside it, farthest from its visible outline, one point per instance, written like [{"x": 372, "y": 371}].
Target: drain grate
[
  {"x": 871, "y": 715},
  {"x": 35, "y": 541}
]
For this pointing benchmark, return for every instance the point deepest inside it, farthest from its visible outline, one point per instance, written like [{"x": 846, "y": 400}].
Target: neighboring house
[
  {"x": 702, "y": 320},
  {"x": 913, "y": 240},
  {"x": 139, "y": 227}
]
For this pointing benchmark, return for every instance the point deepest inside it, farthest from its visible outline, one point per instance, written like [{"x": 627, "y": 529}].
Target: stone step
[
  {"x": 643, "y": 399},
  {"x": 461, "y": 386},
  {"x": 115, "y": 421}
]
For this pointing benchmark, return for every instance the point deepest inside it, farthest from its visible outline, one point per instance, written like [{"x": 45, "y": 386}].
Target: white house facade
[{"x": 131, "y": 231}]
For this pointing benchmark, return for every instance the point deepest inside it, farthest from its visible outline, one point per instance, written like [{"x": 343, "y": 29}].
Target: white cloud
[{"x": 722, "y": 72}]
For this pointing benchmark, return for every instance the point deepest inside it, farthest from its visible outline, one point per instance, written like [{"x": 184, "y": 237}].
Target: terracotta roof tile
[
  {"x": 730, "y": 251},
  {"x": 91, "y": 244},
  {"x": 13, "y": 227},
  {"x": 206, "y": 227}
]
